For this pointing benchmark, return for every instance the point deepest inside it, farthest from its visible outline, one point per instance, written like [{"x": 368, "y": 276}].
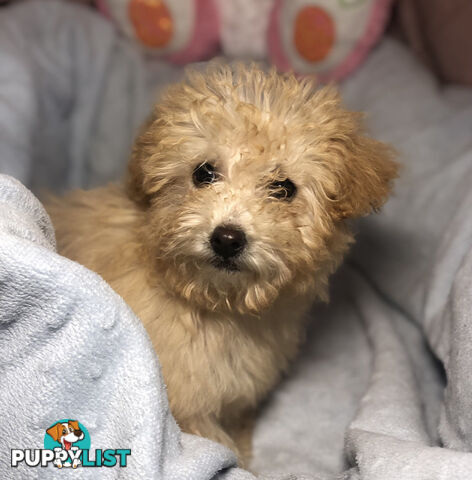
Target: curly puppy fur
[{"x": 224, "y": 336}]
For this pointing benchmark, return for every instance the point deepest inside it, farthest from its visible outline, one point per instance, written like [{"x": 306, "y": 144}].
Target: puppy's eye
[
  {"x": 282, "y": 189},
  {"x": 204, "y": 174}
]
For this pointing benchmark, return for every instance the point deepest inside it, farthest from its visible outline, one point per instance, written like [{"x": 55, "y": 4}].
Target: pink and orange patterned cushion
[{"x": 329, "y": 38}]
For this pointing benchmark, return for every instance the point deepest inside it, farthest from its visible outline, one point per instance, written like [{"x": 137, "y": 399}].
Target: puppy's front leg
[
  {"x": 210, "y": 427},
  {"x": 241, "y": 429}
]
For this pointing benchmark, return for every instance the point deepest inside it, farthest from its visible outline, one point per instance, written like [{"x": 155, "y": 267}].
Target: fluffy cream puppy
[{"x": 230, "y": 222}]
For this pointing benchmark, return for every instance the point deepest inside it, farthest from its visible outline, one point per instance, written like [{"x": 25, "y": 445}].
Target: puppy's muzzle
[{"x": 228, "y": 241}]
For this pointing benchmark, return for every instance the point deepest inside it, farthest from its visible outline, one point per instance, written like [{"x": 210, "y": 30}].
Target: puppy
[
  {"x": 66, "y": 433},
  {"x": 231, "y": 220}
]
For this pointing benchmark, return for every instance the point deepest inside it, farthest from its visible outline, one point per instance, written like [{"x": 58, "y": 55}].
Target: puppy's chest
[{"x": 242, "y": 358}]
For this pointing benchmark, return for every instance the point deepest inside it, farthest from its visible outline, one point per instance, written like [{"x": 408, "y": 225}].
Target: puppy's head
[
  {"x": 68, "y": 433},
  {"x": 247, "y": 178}
]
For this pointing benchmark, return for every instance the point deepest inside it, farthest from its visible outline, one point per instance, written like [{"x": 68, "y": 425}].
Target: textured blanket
[{"x": 382, "y": 388}]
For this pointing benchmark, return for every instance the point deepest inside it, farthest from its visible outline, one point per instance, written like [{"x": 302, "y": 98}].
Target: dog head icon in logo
[{"x": 66, "y": 433}]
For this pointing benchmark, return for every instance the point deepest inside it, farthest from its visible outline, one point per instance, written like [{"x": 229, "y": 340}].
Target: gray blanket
[{"x": 382, "y": 387}]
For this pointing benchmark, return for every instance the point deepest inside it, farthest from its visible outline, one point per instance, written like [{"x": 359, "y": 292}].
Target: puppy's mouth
[{"x": 226, "y": 264}]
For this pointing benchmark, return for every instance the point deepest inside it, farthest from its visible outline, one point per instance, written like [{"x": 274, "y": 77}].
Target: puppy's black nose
[{"x": 228, "y": 241}]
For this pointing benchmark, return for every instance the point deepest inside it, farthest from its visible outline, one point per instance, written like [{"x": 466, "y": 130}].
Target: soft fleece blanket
[{"x": 382, "y": 388}]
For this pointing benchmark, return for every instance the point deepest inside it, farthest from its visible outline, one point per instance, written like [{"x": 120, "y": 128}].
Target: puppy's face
[
  {"x": 66, "y": 433},
  {"x": 246, "y": 178}
]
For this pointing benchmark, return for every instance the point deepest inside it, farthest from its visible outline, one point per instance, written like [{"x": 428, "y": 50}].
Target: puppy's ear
[
  {"x": 74, "y": 424},
  {"x": 55, "y": 431},
  {"x": 136, "y": 178},
  {"x": 363, "y": 177}
]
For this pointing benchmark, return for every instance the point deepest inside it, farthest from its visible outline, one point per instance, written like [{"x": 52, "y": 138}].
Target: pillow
[
  {"x": 182, "y": 31},
  {"x": 327, "y": 37}
]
